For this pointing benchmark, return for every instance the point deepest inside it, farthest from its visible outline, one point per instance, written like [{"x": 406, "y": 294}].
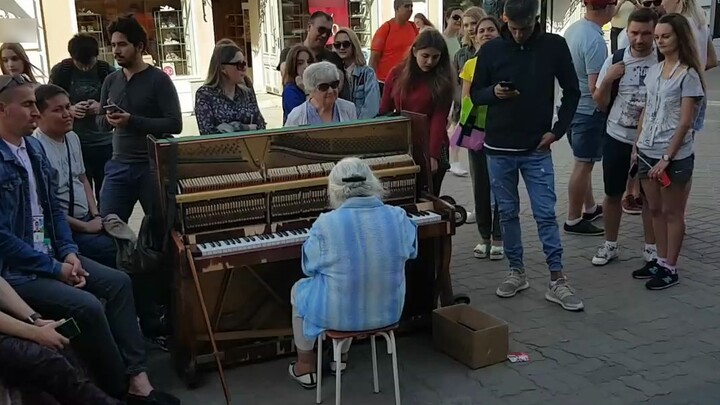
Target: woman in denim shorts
[{"x": 664, "y": 150}]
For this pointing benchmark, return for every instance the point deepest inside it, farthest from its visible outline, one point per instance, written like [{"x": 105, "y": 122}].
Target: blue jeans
[
  {"x": 97, "y": 246},
  {"x": 125, "y": 184},
  {"x": 539, "y": 177}
]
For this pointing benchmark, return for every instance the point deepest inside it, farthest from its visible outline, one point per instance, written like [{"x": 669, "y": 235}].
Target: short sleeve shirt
[
  {"x": 662, "y": 113},
  {"x": 586, "y": 41},
  {"x": 393, "y": 41},
  {"x": 468, "y": 71},
  {"x": 627, "y": 108},
  {"x": 57, "y": 154}
]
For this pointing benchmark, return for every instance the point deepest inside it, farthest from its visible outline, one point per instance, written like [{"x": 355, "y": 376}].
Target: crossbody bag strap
[{"x": 71, "y": 203}]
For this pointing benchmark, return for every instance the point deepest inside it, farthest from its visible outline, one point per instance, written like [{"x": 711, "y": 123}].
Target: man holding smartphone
[
  {"x": 138, "y": 100},
  {"x": 519, "y": 133},
  {"x": 621, "y": 93}
]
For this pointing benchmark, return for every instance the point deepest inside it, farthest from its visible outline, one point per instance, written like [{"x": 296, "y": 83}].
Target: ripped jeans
[{"x": 539, "y": 177}]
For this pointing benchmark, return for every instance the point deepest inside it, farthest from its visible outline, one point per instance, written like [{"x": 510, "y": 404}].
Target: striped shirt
[{"x": 355, "y": 260}]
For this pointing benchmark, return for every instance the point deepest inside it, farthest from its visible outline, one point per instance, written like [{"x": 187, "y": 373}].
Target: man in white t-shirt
[
  {"x": 655, "y": 5},
  {"x": 621, "y": 92}
]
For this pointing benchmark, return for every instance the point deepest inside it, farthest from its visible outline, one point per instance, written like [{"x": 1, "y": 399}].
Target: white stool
[{"x": 338, "y": 338}]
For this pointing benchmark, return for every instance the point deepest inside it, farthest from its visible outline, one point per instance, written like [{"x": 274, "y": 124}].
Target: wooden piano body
[{"x": 233, "y": 306}]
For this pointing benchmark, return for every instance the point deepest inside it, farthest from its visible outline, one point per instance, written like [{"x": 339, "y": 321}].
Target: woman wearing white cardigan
[{"x": 322, "y": 80}]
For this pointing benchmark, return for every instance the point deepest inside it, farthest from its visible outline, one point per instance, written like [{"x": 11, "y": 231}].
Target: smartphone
[
  {"x": 112, "y": 108},
  {"x": 633, "y": 170},
  {"x": 68, "y": 329},
  {"x": 508, "y": 85}
]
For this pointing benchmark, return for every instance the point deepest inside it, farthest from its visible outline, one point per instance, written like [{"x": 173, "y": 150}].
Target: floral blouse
[{"x": 216, "y": 113}]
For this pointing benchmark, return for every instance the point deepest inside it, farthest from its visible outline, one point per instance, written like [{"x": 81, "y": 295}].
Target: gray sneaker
[
  {"x": 515, "y": 282},
  {"x": 560, "y": 292}
]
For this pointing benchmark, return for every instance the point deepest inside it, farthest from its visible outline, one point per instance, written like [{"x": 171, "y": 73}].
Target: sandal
[{"x": 307, "y": 381}]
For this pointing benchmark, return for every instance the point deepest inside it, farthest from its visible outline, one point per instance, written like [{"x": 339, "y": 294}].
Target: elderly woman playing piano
[
  {"x": 355, "y": 260},
  {"x": 323, "y": 81}
]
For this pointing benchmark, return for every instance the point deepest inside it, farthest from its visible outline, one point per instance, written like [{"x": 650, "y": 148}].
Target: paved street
[{"x": 629, "y": 346}]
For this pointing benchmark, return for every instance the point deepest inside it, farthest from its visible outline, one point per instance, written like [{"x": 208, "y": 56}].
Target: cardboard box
[{"x": 470, "y": 336}]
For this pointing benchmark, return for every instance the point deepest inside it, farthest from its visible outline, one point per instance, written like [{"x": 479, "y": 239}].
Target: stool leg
[
  {"x": 395, "y": 367},
  {"x": 318, "y": 389},
  {"x": 337, "y": 353},
  {"x": 376, "y": 385}
]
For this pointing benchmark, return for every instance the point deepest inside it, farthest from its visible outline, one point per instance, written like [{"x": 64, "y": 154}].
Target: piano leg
[
  {"x": 206, "y": 318},
  {"x": 443, "y": 278}
]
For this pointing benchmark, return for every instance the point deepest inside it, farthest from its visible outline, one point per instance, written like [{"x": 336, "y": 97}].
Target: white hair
[
  {"x": 319, "y": 73},
  {"x": 352, "y": 177}
]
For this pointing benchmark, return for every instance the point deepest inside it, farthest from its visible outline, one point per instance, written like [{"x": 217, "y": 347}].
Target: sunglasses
[
  {"x": 324, "y": 31},
  {"x": 239, "y": 65},
  {"x": 7, "y": 81},
  {"x": 651, "y": 3},
  {"x": 456, "y": 17},
  {"x": 342, "y": 45},
  {"x": 326, "y": 86}
]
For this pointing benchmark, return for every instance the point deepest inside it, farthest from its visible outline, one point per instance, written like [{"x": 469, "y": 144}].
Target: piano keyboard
[{"x": 285, "y": 238}]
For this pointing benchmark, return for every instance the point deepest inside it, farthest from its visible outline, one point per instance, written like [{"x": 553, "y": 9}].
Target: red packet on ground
[{"x": 518, "y": 357}]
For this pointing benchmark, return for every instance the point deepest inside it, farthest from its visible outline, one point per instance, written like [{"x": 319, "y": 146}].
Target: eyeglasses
[
  {"x": 342, "y": 44},
  {"x": 6, "y": 81},
  {"x": 326, "y": 86},
  {"x": 651, "y": 3},
  {"x": 456, "y": 17},
  {"x": 239, "y": 65}
]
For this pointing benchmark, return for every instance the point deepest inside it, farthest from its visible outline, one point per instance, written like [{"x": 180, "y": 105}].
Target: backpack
[
  {"x": 63, "y": 76},
  {"x": 616, "y": 58}
]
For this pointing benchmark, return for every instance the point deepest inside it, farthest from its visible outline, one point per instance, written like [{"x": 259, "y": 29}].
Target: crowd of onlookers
[{"x": 67, "y": 192}]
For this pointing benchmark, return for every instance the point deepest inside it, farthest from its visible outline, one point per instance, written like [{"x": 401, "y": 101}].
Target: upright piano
[{"x": 241, "y": 206}]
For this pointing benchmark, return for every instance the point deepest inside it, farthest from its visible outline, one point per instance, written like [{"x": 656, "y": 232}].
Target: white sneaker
[
  {"x": 470, "y": 218},
  {"x": 649, "y": 254},
  {"x": 605, "y": 254},
  {"x": 481, "y": 251},
  {"x": 497, "y": 253},
  {"x": 457, "y": 170}
]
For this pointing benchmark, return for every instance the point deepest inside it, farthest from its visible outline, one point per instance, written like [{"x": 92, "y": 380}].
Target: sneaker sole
[
  {"x": 598, "y": 264},
  {"x": 665, "y": 287},
  {"x": 631, "y": 212},
  {"x": 508, "y": 295},
  {"x": 497, "y": 257},
  {"x": 480, "y": 256},
  {"x": 557, "y": 301},
  {"x": 601, "y": 233},
  {"x": 642, "y": 278}
]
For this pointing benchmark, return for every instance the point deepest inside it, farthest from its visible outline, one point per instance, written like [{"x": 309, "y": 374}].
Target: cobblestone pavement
[{"x": 629, "y": 346}]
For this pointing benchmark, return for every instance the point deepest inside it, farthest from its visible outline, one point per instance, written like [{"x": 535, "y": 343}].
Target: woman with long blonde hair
[
  {"x": 15, "y": 61},
  {"x": 227, "y": 102},
  {"x": 664, "y": 150},
  {"x": 362, "y": 83}
]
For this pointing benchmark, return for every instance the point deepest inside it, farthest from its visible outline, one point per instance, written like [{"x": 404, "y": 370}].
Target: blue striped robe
[{"x": 355, "y": 260}]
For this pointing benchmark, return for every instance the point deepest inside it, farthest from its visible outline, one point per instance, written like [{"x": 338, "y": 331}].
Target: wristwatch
[
  {"x": 666, "y": 158},
  {"x": 33, "y": 318}
]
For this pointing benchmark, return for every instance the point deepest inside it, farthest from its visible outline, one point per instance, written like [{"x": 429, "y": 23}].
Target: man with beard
[
  {"x": 82, "y": 76},
  {"x": 655, "y": 5},
  {"x": 319, "y": 31},
  {"x": 138, "y": 100},
  {"x": 621, "y": 93}
]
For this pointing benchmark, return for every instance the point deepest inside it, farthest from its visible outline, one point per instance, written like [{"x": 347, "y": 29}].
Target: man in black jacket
[{"x": 515, "y": 77}]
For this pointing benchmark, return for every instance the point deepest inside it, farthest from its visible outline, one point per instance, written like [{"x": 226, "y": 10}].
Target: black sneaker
[
  {"x": 663, "y": 279},
  {"x": 592, "y": 216},
  {"x": 649, "y": 270},
  {"x": 584, "y": 227}
]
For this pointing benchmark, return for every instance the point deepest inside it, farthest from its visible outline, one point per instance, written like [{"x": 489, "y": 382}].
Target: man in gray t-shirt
[{"x": 74, "y": 194}]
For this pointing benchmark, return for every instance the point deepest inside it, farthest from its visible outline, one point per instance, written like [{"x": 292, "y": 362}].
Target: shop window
[{"x": 165, "y": 21}]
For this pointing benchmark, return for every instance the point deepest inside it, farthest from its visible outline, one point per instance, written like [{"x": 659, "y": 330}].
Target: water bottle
[{"x": 48, "y": 244}]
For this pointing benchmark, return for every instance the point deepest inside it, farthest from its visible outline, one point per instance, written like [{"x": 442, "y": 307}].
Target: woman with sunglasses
[
  {"x": 453, "y": 29},
  {"x": 298, "y": 59},
  {"x": 322, "y": 81},
  {"x": 424, "y": 84},
  {"x": 486, "y": 209},
  {"x": 15, "y": 61},
  {"x": 362, "y": 83},
  {"x": 664, "y": 150},
  {"x": 227, "y": 102}
]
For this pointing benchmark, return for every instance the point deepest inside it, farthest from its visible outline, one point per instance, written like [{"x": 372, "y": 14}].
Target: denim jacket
[
  {"x": 19, "y": 261},
  {"x": 365, "y": 92}
]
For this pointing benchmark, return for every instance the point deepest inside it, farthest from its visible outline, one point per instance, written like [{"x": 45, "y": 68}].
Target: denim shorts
[{"x": 586, "y": 135}]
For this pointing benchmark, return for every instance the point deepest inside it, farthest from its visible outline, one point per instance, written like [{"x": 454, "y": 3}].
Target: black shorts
[
  {"x": 679, "y": 171},
  {"x": 616, "y": 165}
]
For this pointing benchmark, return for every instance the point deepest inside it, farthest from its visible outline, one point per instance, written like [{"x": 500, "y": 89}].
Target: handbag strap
[{"x": 71, "y": 186}]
